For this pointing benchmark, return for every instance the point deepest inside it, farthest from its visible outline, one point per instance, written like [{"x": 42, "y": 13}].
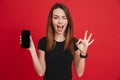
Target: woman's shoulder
[
  {"x": 42, "y": 40},
  {"x": 42, "y": 43}
]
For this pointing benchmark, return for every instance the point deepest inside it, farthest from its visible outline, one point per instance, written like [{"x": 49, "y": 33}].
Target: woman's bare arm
[{"x": 79, "y": 64}]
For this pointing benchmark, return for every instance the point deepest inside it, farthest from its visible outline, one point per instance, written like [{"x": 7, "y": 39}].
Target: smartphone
[{"x": 25, "y": 39}]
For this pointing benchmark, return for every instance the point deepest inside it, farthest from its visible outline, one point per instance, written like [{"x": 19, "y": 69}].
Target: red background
[{"x": 101, "y": 17}]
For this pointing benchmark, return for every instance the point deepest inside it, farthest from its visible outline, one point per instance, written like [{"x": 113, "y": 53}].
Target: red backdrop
[{"x": 101, "y": 17}]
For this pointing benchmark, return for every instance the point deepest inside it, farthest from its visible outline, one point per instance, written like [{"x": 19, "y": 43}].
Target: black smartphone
[{"x": 25, "y": 39}]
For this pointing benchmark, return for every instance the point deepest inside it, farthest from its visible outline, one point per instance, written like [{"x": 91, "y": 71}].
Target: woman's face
[{"x": 59, "y": 21}]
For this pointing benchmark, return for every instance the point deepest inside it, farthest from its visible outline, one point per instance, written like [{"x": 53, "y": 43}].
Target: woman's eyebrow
[
  {"x": 58, "y": 16},
  {"x": 64, "y": 16},
  {"x": 55, "y": 15}
]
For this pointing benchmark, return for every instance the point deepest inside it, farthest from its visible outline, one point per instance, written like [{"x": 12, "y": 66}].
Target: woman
[{"x": 59, "y": 48}]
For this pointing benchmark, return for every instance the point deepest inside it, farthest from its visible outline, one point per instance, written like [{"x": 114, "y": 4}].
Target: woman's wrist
[
  {"x": 32, "y": 50},
  {"x": 83, "y": 51},
  {"x": 83, "y": 55}
]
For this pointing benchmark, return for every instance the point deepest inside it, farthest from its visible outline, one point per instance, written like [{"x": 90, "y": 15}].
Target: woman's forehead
[{"x": 58, "y": 12}]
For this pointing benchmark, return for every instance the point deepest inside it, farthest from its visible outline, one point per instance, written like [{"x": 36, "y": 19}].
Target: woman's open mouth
[{"x": 60, "y": 28}]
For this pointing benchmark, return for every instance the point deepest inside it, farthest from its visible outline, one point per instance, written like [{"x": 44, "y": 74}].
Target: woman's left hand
[{"x": 83, "y": 44}]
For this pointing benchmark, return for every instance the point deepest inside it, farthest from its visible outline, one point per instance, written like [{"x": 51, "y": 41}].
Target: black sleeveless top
[{"x": 58, "y": 62}]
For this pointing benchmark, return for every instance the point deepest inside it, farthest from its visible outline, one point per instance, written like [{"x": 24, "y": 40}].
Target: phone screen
[{"x": 25, "y": 39}]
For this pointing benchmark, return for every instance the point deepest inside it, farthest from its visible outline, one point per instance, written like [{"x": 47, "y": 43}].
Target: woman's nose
[{"x": 60, "y": 20}]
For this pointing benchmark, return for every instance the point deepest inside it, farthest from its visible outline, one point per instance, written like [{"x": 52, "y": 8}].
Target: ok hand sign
[{"x": 83, "y": 44}]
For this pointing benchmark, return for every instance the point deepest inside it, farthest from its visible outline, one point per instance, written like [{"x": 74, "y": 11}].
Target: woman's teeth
[{"x": 60, "y": 26}]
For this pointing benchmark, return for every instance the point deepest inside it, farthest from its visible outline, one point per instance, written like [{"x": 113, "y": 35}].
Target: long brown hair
[{"x": 68, "y": 32}]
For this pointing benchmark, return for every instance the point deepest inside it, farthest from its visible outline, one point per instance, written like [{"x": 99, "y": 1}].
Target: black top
[{"x": 58, "y": 62}]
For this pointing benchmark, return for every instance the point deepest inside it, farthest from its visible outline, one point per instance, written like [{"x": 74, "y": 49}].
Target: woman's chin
[{"x": 60, "y": 32}]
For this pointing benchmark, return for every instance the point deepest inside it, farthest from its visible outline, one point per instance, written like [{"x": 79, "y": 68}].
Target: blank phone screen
[{"x": 25, "y": 39}]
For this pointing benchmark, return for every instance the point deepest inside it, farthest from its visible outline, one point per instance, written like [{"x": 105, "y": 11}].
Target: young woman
[{"x": 59, "y": 48}]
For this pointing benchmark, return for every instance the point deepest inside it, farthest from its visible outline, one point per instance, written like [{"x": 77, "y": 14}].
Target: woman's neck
[{"x": 59, "y": 38}]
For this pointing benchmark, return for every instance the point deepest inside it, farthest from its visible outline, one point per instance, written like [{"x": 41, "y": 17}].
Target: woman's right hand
[{"x": 32, "y": 46}]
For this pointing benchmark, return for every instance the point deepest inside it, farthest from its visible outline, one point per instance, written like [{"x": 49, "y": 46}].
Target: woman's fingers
[
  {"x": 91, "y": 42},
  {"x": 78, "y": 42},
  {"x": 20, "y": 40},
  {"x": 85, "y": 35},
  {"x": 89, "y": 37}
]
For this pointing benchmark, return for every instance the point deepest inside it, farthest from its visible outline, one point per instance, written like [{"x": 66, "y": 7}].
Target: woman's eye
[
  {"x": 64, "y": 17},
  {"x": 55, "y": 17}
]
